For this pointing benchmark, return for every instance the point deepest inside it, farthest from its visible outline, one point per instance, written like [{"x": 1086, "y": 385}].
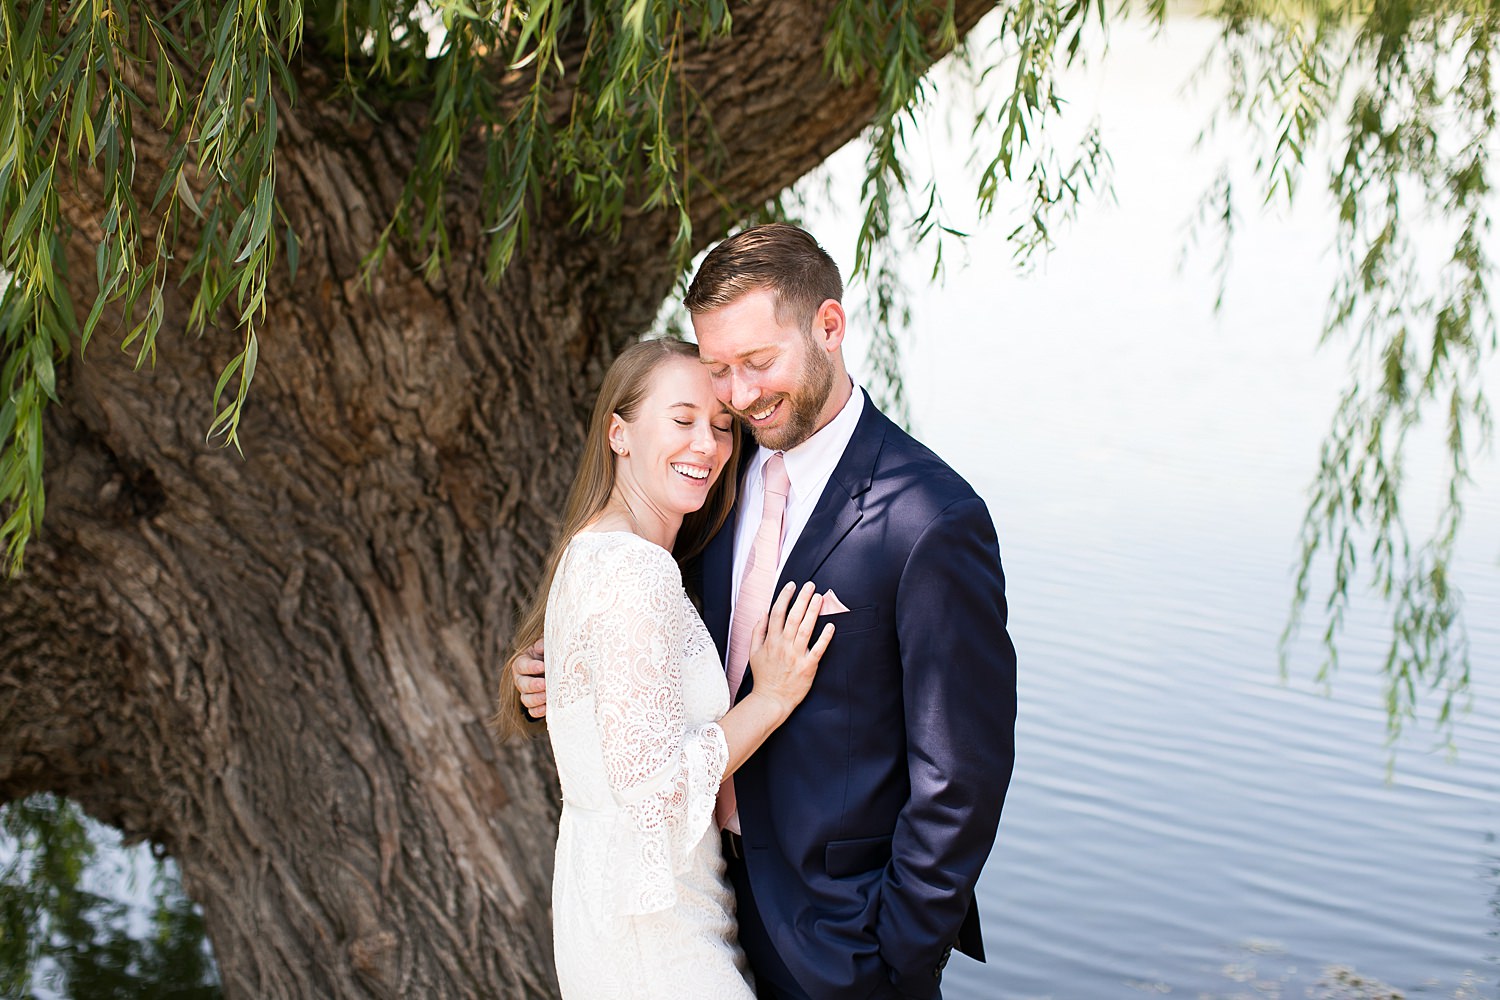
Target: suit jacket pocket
[
  {"x": 844, "y": 858},
  {"x": 847, "y": 622}
]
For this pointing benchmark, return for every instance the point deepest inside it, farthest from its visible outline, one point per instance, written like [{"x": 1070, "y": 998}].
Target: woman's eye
[
  {"x": 681, "y": 422},
  {"x": 724, "y": 430}
]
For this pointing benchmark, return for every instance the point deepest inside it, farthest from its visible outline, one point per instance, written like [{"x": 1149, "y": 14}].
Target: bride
[{"x": 638, "y": 705}]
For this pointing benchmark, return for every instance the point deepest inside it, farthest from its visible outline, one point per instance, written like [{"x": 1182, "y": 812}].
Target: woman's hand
[{"x": 783, "y": 658}]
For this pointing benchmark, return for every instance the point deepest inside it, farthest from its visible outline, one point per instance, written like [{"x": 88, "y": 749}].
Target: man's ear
[{"x": 829, "y": 324}]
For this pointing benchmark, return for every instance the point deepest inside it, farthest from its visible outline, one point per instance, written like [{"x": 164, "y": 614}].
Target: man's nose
[{"x": 741, "y": 392}]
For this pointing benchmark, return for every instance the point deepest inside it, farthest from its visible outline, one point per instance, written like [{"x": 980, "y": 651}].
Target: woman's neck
[{"x": 627, "y": 510}]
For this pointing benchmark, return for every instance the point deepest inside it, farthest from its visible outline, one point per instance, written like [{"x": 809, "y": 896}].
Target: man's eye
[
  {"x": 759, "y": 366},
  {"x": 718, "y": 373}
]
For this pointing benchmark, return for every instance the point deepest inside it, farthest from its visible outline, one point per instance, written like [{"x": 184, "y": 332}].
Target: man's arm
[
  {"x": 959, "y": 686},
  {"x": 529, "y": 672}
]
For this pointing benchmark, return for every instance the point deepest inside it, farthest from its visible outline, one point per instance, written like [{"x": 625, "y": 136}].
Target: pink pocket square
[{"x": 832, "y": 605}]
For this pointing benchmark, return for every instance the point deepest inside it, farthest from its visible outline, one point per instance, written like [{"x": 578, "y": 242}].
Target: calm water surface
[{"x": 1182, "y": 822}]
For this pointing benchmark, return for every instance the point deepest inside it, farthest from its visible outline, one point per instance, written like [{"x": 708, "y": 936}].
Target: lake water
[{"x": 1182, "y": 822}]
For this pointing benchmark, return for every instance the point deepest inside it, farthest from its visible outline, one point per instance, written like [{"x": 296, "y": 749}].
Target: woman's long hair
[{"x": 625, "y": 385}]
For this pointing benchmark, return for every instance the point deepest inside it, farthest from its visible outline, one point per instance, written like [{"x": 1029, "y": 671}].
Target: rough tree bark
[{"x": 279, "y": 668}]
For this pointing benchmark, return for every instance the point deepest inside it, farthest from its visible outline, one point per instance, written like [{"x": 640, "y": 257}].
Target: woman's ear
[{"x": 617, "y": 435}]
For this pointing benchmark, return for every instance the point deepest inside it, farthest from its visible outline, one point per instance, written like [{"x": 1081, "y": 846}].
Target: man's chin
[
  {"x": 768, "y": 443},
  {"x": 783, "y": 438},
  {"x": 767, "y": 436},
  {"x": 790, "y": 428}
]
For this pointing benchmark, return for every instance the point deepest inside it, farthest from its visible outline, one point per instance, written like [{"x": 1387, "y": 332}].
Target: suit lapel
[{"x": 837, "y": 512}]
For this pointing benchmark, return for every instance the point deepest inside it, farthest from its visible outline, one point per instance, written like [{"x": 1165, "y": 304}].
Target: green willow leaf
[{"x": 26, "y": 218}]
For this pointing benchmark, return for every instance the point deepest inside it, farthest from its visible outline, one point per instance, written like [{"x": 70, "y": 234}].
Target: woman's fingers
[
  {"x": 779, "y": 608},
  {"x": 799, "y": 607},
  {"x": 758, "y": 635},
  {"x": 809, "y": 619},
  {"x": 824, "y": 638},
  {"x": 791, "y": 621},
  {"x": 792, "y": 617}
]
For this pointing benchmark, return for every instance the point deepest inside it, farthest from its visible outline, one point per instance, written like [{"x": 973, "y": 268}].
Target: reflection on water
[{"x": 68, "y": 925}]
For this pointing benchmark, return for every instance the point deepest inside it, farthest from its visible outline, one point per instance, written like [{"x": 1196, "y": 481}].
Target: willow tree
[{"x": 307, "y": 304}]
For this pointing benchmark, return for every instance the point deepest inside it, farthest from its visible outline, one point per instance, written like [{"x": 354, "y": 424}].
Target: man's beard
[{"x": 804, "y": 405}]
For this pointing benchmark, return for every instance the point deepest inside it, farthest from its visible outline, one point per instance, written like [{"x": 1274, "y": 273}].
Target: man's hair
[{"x": 778, "y": 256}]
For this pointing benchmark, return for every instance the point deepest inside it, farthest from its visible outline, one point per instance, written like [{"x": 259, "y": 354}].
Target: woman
[{"x": 638, "y": 706}]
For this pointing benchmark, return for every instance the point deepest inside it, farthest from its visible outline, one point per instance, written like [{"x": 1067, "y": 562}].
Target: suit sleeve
[{"x": 959, "y": 687}]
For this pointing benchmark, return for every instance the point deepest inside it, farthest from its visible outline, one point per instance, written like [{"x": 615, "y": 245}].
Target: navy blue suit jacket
[{"x": 868, "y": 815}]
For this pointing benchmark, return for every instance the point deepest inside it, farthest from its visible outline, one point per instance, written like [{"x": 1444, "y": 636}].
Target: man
[{"x": 863, "y": 822}]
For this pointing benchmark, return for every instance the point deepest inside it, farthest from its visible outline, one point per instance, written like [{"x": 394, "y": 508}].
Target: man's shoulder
[{"x": 921, "y": 475}]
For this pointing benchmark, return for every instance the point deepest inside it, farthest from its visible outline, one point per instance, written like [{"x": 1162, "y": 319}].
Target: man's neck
[{"x": 838, "y": 398}]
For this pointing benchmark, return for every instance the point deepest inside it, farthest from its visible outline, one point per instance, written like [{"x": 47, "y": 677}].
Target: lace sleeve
[{"x": 664, "y": 775}]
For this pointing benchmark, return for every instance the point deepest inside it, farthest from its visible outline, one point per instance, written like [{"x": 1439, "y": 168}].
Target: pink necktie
[{"x": 754, "y": 600}]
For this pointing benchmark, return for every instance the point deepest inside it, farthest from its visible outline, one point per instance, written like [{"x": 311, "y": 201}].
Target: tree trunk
[{"x": 279, "y": 667}]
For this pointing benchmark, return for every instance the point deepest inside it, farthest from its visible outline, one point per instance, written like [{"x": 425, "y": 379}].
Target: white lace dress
[{"x": 641, "y": 908}]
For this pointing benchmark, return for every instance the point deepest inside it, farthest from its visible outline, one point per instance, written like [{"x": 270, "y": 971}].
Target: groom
[{"x": 854, "y": 837}]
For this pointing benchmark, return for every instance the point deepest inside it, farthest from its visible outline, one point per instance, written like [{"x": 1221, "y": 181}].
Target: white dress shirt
[{"x": 809, "y": 467}]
